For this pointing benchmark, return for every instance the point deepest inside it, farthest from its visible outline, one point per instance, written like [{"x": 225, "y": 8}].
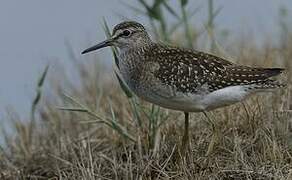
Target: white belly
[{"x": 199, "y": 102}]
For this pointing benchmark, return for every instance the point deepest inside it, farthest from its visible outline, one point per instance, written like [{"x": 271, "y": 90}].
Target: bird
[{"x": 183, "y": 79}]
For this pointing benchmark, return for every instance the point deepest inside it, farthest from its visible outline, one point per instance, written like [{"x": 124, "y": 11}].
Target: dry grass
[
  {"x": 93, "y": 131},
  {"x": 253, "y": 139}
]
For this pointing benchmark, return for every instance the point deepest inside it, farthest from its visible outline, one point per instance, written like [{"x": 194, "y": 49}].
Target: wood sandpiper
[{"x": 182, "y": 79}]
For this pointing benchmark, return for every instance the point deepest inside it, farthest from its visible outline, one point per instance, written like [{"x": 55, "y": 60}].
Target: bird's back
[{"x": 161, "y": 74}]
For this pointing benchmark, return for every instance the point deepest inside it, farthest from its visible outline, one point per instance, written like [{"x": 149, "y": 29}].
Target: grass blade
[{"x": 36, "y": 102}]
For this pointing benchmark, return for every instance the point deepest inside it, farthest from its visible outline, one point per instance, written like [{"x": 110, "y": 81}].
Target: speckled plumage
[
  {"x": 183, "y": 79},
  {"x": 188, "y": 70}
]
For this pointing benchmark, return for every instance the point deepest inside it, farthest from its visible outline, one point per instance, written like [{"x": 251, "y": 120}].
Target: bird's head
[{"x": 126, "y": 35}]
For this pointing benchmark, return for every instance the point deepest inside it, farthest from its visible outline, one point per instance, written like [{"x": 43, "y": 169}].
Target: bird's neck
[
  {"x": 137, "y": 49},
  {"x": 134, "y": 58}
]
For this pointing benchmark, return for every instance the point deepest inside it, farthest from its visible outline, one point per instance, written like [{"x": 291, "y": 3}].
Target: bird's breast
[{"x": 132, "y": 71}]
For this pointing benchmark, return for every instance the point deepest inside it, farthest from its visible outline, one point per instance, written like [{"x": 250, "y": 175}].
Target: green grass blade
[
  {"x": 170, "y": 9},
  {"x": 73, "y": 109},
  {"x": 124, "y": 87},
  {"x": 36, "y": 102}
]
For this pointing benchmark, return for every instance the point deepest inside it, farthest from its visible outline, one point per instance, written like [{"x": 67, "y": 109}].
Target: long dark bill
[{"x": 103, "y": 44}]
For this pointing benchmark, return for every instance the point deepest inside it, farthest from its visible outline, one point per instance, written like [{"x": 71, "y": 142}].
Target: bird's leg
[
  {"x": 215, "y": 135},
  {"x": 185, "y": 139}
]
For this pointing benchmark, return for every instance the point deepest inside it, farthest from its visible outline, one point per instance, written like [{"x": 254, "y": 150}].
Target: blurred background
[
  {"x": 78, "y": 120},
  {"x": 34, "y": 33}
]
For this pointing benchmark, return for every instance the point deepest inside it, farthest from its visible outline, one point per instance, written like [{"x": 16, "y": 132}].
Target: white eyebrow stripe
[{"x": 120, "y": 34}]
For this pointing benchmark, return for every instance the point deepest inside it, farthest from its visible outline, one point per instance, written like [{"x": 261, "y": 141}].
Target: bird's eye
[{"x": 126, "y": 33}]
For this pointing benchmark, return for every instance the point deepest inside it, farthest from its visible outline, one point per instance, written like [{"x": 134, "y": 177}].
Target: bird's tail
[
  {"x": 267, "y": 85},
  {"x": 270, "y": 72}
]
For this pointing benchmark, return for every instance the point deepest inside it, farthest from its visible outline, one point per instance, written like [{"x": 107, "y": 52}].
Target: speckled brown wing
[{"x": 194, "y": 71}]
